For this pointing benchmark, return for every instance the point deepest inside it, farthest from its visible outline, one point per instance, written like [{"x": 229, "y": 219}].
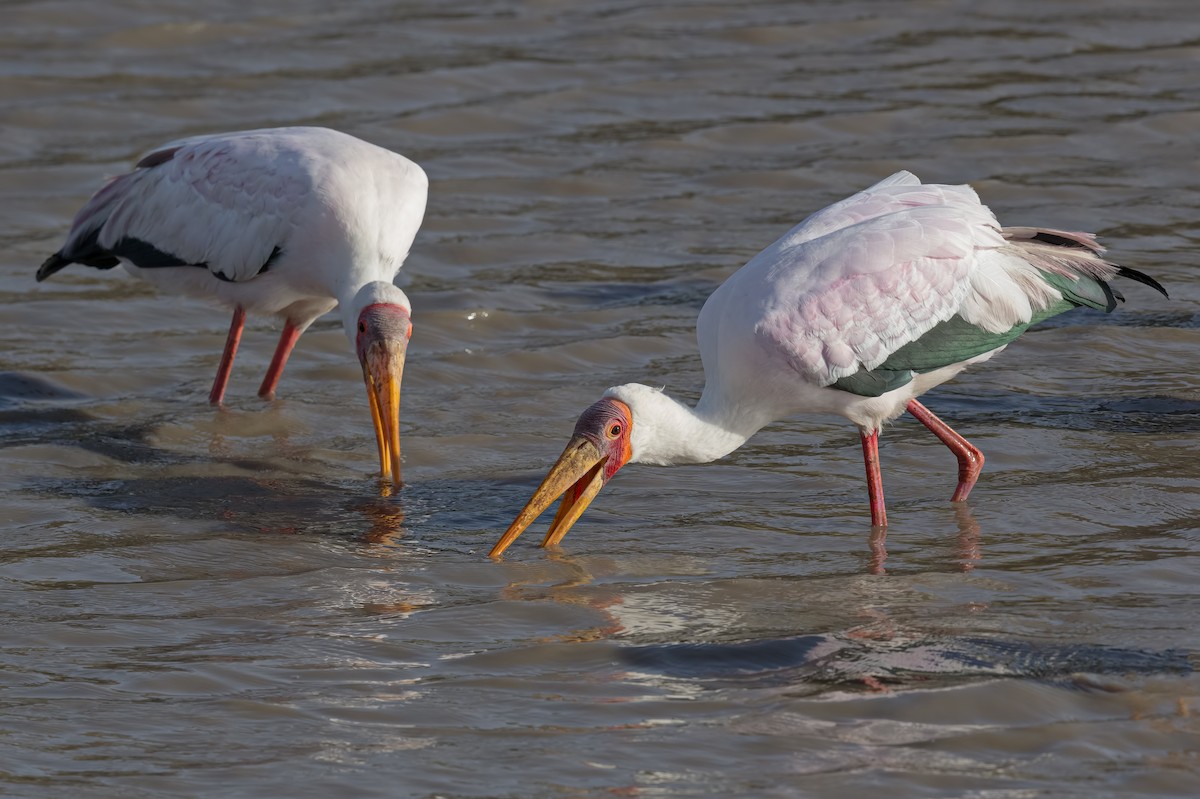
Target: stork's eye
[
  {"x": 614, "y": 430},
  {"x": 362, "y": 327}
]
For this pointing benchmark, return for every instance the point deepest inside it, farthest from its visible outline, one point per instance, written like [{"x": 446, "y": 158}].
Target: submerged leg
[
  {"x": 870, "y": 446},
  {"x": 878, "y": 545},
  {"x": 226, "y": 366},
  {"x": 970, "y": 459},
  {"x": 287, "y": 340}
]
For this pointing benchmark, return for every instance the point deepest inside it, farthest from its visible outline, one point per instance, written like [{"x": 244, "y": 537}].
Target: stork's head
[
  {"x": 381, "y": 328},
  {"x": 601, "y": 444}
]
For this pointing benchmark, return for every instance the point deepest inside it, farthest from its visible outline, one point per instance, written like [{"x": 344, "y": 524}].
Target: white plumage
[
  {"x": 290, "y": 222},
  {"x": 858, "y": 310},
  {"x": 850, "y": 285}
]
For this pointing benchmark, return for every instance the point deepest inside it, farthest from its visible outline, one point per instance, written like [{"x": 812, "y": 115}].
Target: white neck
[{"x": 666, "y": 432}]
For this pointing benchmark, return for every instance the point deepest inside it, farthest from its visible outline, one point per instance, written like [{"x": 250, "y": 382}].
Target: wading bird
[
  {"x": 289, "y": 222},
  {"x": 858, "y": 310}
]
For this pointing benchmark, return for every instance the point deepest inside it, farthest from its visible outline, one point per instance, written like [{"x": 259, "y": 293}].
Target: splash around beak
[
  {"x": 578, "y": 476},
  {"x": 383, "y": 366}
]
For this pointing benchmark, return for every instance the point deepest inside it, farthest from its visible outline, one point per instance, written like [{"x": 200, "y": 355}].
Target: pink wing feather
[{"x": 855, "y": 281}]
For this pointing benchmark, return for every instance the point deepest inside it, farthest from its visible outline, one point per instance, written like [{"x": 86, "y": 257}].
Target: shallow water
[{"x": 219, "y": 603}]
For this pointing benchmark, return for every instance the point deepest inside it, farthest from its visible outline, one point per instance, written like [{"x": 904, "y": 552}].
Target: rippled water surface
[{"x": 219, "y": 603}]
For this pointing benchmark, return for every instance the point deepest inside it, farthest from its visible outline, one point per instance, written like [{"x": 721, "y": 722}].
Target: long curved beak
[
  {"x": 578, "y": 476},
  {"x": 383, "y": 366}
]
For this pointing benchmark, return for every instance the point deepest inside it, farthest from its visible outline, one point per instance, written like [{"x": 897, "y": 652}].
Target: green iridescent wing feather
[{"x": 957, "y": 340}]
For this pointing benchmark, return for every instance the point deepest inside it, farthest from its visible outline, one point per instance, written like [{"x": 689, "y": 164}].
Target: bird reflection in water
[
  {"x": 384, "y": 516},
  {"x": 968, "y": 549},
  {"x": 279, "y": 505},
  {"x": 576, "y": 588},
  {"x": 386, "y": 519}
]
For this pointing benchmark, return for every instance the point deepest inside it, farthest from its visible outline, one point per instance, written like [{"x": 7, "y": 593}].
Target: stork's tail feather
[
  {"x": 1056, "y": 238},
  {"x": 1072, "y": 255},
  {"x": 1066, "y": 254}
]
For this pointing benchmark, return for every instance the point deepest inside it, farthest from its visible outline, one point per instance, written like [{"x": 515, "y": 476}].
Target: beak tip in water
[{"x": 382, "y": 370}]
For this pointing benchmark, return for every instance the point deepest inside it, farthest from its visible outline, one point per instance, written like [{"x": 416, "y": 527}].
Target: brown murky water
[{"x": 203, "y": 603}]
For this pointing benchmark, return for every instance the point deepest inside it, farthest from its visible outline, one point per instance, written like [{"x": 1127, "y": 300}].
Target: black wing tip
[
  {"x": 158, "y": 157},
  {"x": 50, "y": 266},
  {"x": 1143, "y": 278},
  {"x": 1111, "y": 296},
  {"x": 56, "y": 262}
]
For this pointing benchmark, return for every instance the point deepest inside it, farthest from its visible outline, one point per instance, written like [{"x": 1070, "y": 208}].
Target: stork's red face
[
  {"x": 382, "y": 340},
  {"x": 599, "y": 447}
]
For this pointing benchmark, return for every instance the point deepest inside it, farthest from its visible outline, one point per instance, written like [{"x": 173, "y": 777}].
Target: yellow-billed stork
[
  {"x": 290, "y": 222},
  {"x": 858, "y": 310}
]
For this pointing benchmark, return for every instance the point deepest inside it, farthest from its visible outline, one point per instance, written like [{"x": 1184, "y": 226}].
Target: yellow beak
[
  {"x": 383, "y": 366},
  {"x": 578, "y": 476}
]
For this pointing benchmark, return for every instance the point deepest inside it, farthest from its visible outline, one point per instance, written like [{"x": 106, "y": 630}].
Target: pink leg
[
  {"x": 287, "y": 340},
  {"x": 970, "y": 459},
  {"x": 225, "y": 368},
  {"x": 870, "y": 446}
]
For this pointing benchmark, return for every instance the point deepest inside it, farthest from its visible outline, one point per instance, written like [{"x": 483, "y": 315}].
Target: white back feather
[
  {"x": 230, "y": 199},
  {"x": 854, "y": 282}
]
